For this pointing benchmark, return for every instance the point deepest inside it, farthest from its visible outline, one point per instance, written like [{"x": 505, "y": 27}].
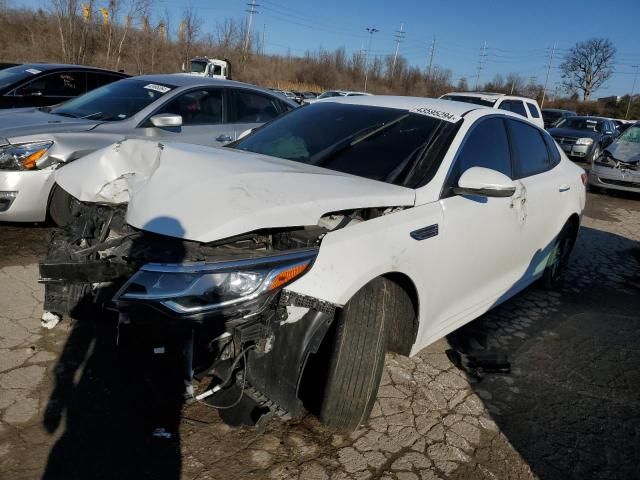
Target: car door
[
  {"x": 249, "y": 109},
  {"x": 543, "y": 194},
  {"x": 204, "y": 118},
  {"x": 482, "y": 258}
]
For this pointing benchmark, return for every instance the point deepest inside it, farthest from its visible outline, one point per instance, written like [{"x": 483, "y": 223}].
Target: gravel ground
[{"x": 569, "y": 408}]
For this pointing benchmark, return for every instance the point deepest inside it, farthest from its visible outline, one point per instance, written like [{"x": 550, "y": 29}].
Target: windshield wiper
[
  {"x": 353, "y": 139},
  {"x": 65, "y": 114}
]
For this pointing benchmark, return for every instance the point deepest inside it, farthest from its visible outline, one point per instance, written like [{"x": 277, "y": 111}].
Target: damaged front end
[
  {"x": 609, "y": 171},
  {"x": 221, "y": 308}
]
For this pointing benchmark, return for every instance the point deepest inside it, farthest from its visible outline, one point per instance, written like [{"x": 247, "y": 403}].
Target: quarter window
[
  {"x": 486, "y": 146},
  {"x": 530, "y": 150}
]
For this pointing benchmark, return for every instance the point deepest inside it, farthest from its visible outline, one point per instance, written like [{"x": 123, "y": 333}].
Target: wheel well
[{"x": 404, "y": 331}]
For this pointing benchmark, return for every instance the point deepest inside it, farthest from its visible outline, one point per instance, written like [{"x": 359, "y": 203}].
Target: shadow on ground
[{"x": 571, "y": 405}]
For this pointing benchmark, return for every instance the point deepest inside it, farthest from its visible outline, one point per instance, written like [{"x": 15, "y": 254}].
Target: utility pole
[
  {"x": 483, "y": 56},
  {"x": 251, "y": 11},
  {"x": 399, "y": 36},
  {"x": 264, "y": 29},
  {"x": 635, "y": 77},
  {"x": 546, "y": 80},
  {"x": 371, "y": 31},
  {"x": 433, "y": 51}
]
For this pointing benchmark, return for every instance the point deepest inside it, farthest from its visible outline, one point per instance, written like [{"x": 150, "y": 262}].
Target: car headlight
[
  {"x": 23, "y": 156},
  {"x": 203, "y": 287},
  {"x": 584, "y": 141}
]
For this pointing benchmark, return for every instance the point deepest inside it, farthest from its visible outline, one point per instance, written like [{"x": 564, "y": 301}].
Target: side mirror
[
  {"x": 164, "y": 120},
  {"x": 485, "y": 182},
  {"x": 245, "y": 133}
]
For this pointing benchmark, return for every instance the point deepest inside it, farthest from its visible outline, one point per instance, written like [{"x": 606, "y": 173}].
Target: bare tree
[
  {"x": 190, "y": 26},
  {"x": 463, "y": 84},
  {"x": 588, "y": 65}
]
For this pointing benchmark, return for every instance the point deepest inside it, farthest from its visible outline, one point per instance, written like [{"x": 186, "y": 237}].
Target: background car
[
  {"x": 336, "y": 94},
  {"x": 510, "y": 103},
  {"x": 42, "y": 84},
  {"x": 324, "y": 239},
  {"x": 618, "y": 166},
  {"x": 551, "y": 116},
  {"x": 163, "y": 107},
  {"x": 583, "y": 138}
]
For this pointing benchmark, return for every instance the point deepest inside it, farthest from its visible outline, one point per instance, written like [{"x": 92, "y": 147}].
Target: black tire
[
  {"x": 59, "y": 211},
  {"x": 559, "y": 256},
  {"x": 357, "y": 353}
]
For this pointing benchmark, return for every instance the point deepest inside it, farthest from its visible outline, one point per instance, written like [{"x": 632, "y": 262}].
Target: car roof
[
  {"x": 45, "y": 67},
  {"x": 589, "y": 117},
  {"x": 557, "y": 110},
  {"x": 188, "y": 80},
  {"x": 488, "y": 95},
  {"x": 410, "y": 103}
]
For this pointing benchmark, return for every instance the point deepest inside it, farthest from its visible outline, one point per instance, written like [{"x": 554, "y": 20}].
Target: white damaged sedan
[{"x": 287, "y": 265}]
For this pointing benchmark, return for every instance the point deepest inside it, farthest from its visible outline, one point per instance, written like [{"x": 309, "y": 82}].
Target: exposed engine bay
[{"x": 262, "y": 346}]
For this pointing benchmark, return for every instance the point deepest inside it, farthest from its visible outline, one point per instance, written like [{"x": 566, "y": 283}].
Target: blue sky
[{"x": 519, "y": 34}]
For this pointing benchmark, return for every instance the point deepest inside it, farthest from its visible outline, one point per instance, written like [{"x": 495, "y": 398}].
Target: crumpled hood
[
  {"x": 572, "y": 132},
  {"x": 206, "y": 194},
  {"x": 19, "y": 122},
  {"x": 626, "y": 152}
]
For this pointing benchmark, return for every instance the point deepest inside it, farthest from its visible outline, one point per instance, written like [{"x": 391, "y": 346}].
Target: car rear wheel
[
  {"x": 559, "y": 256},
  {"x": 357, "y": 353}
]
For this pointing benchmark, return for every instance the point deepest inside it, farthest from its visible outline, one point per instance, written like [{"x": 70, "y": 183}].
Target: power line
[
  {"x": 433, "y": 51},
  {"x": 546, "y": 81},
  {"x": 251, "y": 11},
  {"x": 399, "y": 38},
  {"x": 635, "y": 77},
  {"x": 483, "y": 57}
]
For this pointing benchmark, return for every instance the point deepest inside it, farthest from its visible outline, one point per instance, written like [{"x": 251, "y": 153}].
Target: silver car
[
  {"x": 618, "y": 167},
  {"x": 34, "y": 142}
]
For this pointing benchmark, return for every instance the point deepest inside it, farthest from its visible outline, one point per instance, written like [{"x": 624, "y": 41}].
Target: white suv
[{"x": 502, "y": 101}]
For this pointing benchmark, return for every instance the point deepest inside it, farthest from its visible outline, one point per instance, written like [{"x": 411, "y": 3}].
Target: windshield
[
  {"x": 116, "y": 101},
  {"x": 11, "y": 75},
  {"x": 631, "y": 135},
  {"x": 470, "y": 99},
  {"x": 385, "y": 144},
  {"x": 551, "y": 116},
  {"x": 581, "y": 123},
  {"x": 198, "y": 66},
  {"x": 331, "y": 94}
]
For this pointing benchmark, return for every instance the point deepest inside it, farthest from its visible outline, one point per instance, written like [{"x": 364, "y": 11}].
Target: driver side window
[
  {"x": 198, "y": 107},
  {"x": 486, "y": 146}
]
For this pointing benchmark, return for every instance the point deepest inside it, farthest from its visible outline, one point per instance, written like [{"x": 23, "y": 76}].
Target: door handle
[
  {"x": 223, "y": 138},
  {"x": 564, "y": 188}
]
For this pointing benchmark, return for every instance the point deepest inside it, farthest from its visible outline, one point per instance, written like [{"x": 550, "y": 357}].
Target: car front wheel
[{"x": 357, "y": 353}]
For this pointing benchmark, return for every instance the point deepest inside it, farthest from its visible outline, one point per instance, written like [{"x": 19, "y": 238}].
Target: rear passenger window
[
  {"x": 515, "y": 106},
  {"x": 249, "y": 107},
  {"x": 531, "y": 153},
  {"x": 486, "y": 146},
  {"x": 533, "y": 110}
]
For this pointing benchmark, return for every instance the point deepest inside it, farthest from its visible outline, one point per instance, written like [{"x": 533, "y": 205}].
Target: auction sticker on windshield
[
  {"x": 32, "y": 71},
  {"x": 431, "y": 112},
  {"x": 157, "y": 88}
]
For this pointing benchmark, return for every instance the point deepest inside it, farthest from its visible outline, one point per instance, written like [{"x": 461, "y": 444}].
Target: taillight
[{"x": 584, "y": 178}]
